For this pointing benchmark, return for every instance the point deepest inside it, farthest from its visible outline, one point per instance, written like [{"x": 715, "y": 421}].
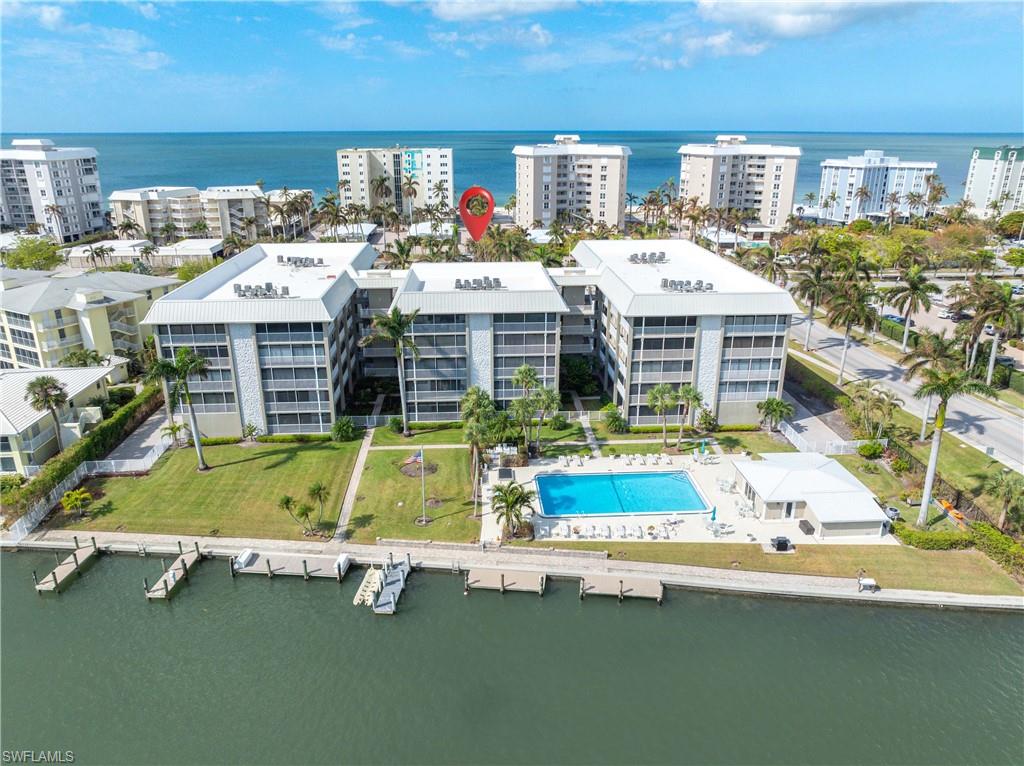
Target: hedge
[
  {"x": 93, "y": 446},
  {"x": 439, "y": 426},
  {"x": 999, "y": 547},
  {"x": 894, "y": 330},
  {"x": 214, "y": 441},
  {"x": 292, "y": 438},
  {"x": 931, "y": 541},
  {"x": 739, "y": 427}
]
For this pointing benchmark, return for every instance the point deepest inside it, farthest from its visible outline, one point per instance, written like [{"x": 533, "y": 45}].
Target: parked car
[
  {"x": 897, "y": 319},
  {"x": 1005, "y": 361},
  {"x": 990, "y": 329},
  {"x": 962, "y": 316},
  {"x": 1017, "y": 289}
]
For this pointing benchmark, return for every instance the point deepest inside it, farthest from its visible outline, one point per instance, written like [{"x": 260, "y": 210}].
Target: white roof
[
  {"x": 525, "y": 287},
  {"x": 316, "y": 293},
  {"x": 76, "y": 289},
  {"x": 203, "y": 247},
  {"x": 152, "y": 193},
  {"x": 539, "y": 236},
  {"x": 119, "y": 246},
  {"x": 16, "y": 414},
  {"x": 356, "y": 231},
  {"x": 876, "y": 157},
  {"x": 426, "y": 229},
  {"x": 44, "y": 149},
  {"x": 835, "y": 494},
  {"x": 635, "y": 288},
  {"x": 730, "y": 146},
  {"x": 563, "y": 147},
  {"x": 244, "y": 191}
]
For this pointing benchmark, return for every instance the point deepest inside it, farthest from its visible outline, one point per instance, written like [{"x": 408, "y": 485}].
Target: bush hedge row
[
  {"x": 93, "y": 446},
  {"x": 931, "y": 541},
  {"x": 292, "y": 438},
  {"x": 999, "y": 547}
]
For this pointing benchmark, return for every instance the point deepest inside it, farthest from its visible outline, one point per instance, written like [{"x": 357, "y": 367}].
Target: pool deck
[{"x": 687, "y": 527}]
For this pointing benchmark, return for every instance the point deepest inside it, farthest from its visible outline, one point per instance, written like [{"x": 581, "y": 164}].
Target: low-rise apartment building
[
  {"x": 996, "y": 174},
  {"x": 432, "y": 168},
  {"x": 571, "y": 180},
  {"x": 731, "y": 173},
  {"x": 56, "y": 189},
  {"x": 28, "y": 437},
  {"x": 839, "y": 200},
  {"x": 281, "y": 325},
  {"x": 47, "y": 315}
]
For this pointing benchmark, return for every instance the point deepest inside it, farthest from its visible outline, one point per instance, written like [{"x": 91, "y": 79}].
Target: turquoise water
[
  {"x": 258, "y": 671},
  {"x": 620, "y": 493},
  {"x": 307, "y": 160}
]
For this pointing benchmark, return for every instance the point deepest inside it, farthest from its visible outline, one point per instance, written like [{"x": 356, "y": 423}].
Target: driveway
[{"x": 142, "y": 439}]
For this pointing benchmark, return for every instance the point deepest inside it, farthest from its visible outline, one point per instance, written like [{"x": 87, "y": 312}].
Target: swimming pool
[{"x": 604, "y": 494}]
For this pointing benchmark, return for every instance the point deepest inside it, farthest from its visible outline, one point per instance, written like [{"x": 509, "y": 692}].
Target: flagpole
[{"x": 423, "y": 485}]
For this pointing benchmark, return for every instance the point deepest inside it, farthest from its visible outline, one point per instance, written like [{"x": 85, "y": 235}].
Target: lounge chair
[
  {"x": 696, "y": 455},
  {"x": 579, "y": 461},
  {"x": 642, "y": 459},
  {"x": 667, "y": 459},
  {"x": 563, "y": 461},
  {"x": 629, "y": 459},
  {"x": 622, "y": 531}
]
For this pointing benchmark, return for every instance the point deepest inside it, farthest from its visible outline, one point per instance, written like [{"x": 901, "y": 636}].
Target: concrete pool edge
[
  {"x": 691, "y": 479},
  {"x": 708, "y": 579}
]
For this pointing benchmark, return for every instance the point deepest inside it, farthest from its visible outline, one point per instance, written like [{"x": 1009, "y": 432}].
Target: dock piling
[
  {"x": 408, "y": 560},
  {"x": 620, "y": 591},
  {"x": 501, "y": 587},
  {"x": 180, "y": 551},
  {"x": 163, "y": 564},
  {"x": 196, "y": 543},
  {"x": 465, "y": 585},
  {"x": 184, "y": 570},
  {"x": 74, "y": 555},
  {"x": 270, "y": 572},
  {"x": 53, "y": 574},
  {"x": 75, "y": 538},
  {"x": 337, "y": 569},
  {"x": 583, "y": 588},
  {"x": 391, "y": 559},
  {"x": 35, "y": 580},
  {"x": 540, "y": 588},
  {"x": 305, "y": 571},
  {"x": 93, "y": 543},
  {"x": 231, "y": 566},
  {"x": 145, "y": 584}
]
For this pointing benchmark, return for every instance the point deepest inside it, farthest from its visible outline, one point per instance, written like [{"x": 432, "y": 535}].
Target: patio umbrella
[
  {"x": 714, "y": 512},
  {"x": 703, "y": 447}
]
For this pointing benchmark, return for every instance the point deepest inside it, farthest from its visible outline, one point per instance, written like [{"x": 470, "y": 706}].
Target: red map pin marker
[{"x": 476, "y": 224}]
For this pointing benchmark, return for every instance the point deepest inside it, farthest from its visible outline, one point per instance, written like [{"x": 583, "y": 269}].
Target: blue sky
[{"x": 499, "y": 64}]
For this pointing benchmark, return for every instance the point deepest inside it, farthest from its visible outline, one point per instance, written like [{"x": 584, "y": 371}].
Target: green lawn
[
  {"x": 555, "y": 450},
  {"x": 893, "y": 567},
  {"x": 236, "y": 498},
  {"x": 573, "y": 432},
  {"x": 603, "y": 434},
  {"x": 382, "y": 487},
  {"x": 639, "y": 448},
  {"x": 753, "y": 441},
  {"x": 385, "y": 437}
]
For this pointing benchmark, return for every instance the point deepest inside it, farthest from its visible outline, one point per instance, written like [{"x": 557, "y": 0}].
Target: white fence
[
  {"x": 375, "y": 421},
  {"x": 831, "y": 447},
  {"x": 38, "y": 510}
]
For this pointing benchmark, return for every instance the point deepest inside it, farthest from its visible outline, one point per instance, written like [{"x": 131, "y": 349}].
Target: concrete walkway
[
  {"x": 808, "y": 425},
  {"x": 446, "y": 556},
  {"x": 140, "y": 441},
  {"x": 357, "y": 473},
  {"x": 595, "y": 447}
]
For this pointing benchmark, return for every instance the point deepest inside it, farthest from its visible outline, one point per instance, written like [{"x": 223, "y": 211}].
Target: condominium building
[
  {"x": 432, "y": 168},
  {"x": 996, "y": 174},
  {"x": 28, "y": 437},
  {"x": 731, "y": 173},
  {"x": 47, "y": 315},
  {"x": 281, "y": 326},
  {"x": 56, "y": 189},
  {"x": 840, "y": 202},
  {"x": 570, "y": 180},
  {"x": 129, "y": 252},
  {"x": 174, "y": 212}
]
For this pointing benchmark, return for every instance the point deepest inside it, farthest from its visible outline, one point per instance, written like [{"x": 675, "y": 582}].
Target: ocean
[{"x": 306, "y": 160}]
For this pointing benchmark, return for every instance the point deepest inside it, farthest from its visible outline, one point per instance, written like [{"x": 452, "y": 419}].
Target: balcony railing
[
  {"x": 290, "y": 337},
  {"x": 435, "y": 396},
  {"x": 127, "y": 329},
  {"x": 366, "y": 313},
  {"x": 749, "y": 375},
  {"x": 755, "y": 329},
  {"x": 292, "y": 361},
  {"x": 298, "y": 406},
  {"x": 586, "y": 309},
  {"x": 192, "y": 340},
  {"x": 71, "y": 340},
  {"x": 295, "y": 385},
  {"x": 577, "y": 348},
  {"x": 422, "y": 329},
  {"x": 520, "y": 350},
  {"x": 661, "y": 331},
  {"x": 753, "y": 353},
  {"x": 442, "y": 351},
  {"x": 525, "y": 326},
  {"x": 427, "y": 374},
  {"x": 39, "y": 440}
]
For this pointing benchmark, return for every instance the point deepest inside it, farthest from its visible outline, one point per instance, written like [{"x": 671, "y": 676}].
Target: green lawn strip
[
  {"x": 236, "y": 498},
  {"x": 639, "y": 448},
  {"x": 557, "y": 450},
  {"x": 593, "y": 403},
  {"x": 572, "y": 433},
  {"x": 892, "y": 566},
  {"x": 603, "y": 434},
  {"x": 382, "y": 487},
  {"x": 753, "y": 441},
  {"x": 385, "y": 437}
]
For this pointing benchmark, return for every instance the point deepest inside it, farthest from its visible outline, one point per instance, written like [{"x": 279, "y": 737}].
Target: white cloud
[
  {"x": 146, "y": 10},
  {"x": 47, "y": 16},
  {"x": 523, "y": 36},
  {"x": 795, "y": 18},
  {"x": 349, "y": 43},
  {"x": 343, "y": 15},
  {"x": 580, "y": 53},
  {"x": 493, "y": 10},
  {"x": 693, "y": 47}
]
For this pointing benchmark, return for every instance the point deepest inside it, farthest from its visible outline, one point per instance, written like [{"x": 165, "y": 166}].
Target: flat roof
[
  {"x": 566, "y": 149},
  {"x": 635, "y": 288},
  {"x": 769, "y": 150},
  {"x": 316, "y": 293},
  {"x": 152, "y": 193},
  {"x": 525, "y": 287}
]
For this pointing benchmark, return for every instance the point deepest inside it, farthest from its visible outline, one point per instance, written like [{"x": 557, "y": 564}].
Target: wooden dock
[
  {"x": 506, "y": 580},
  {"x": 175, "y": 574},
  {"x": 294, "y": 564},
  {"x": 68, "y": 569},
  {"x": 622, "y": 587}
]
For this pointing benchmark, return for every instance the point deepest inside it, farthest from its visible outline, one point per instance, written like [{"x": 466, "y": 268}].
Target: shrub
[
  {"x": 292, "y": 438},
  {"x": 119, "y": 396},
  {"x": 1009, "y": 225},
  {"x": 426, "y": 425},
  {"x": 344, "y": 430},
  {"x": 613, "y": 419},
  {"x": 739, "y": 427},
  {"x": 395, "y": 424},
  {"x": 860, "y": 226},
  {"x": 558, "y": 422},
  {"x": 931, "y": 541},
  {"x": 216, "y": 441},
  {"x": 11, "y": 481},
  {"x": 871, "y": 450},
  {"x": 999, "y": 547},
  {"x": 900, "y": 466},
  {"x": 706, "y": 421}
]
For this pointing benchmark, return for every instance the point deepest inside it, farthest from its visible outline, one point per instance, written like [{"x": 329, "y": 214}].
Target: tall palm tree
[
  {"x": 813, "y": 285},
  {"x": 547, "y": 401},
  {"x": 662, "y": 398},
  {"x": 719, "y": 216},
  {"x": 47, "y": 394},
  {"x": 915, "y": 200},
  {"x": 893, "y": 199},
  {"x": 167, "y": 232},
  {"x": 999, "y": 308},
  {"x": 83, "y": 357},
  {"x": 850, "y": 304},
  {"x": 934, "y": 193},
  {"x": 318, "y": 492},
  {"x": 410, "y": 187},
  {"x": 59, "y": 216},
  {"x": 148, "y": 250},
  {"x": 526, "y": 378},
  {"x": 910, "y": 295},
  {"x": 944, "y": 384},
  {"x": 933, "y": 350},
  {"x": 767, "y": 264},
  {"x": 380, "y": 189},
  {"x": 395, "y": 329},
  {"x": 399, "y": 254},
  {"x": 509, "y": 501},
  {"x": 186, "y": 364},
  {"x": 477, "y": 409},
  {"x": 688, "y": 399},
  {"x": 810, "y": 198},
  {"x": 1008, "y": 487},
  {"x": 863, "y": 196},
  {"x": 127, "y": 228}
]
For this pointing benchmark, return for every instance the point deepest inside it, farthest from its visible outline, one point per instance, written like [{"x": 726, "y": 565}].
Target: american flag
[{"x": 417, "y": 458}]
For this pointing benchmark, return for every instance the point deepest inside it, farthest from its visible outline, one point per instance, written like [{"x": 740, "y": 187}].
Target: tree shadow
[
  {"x": 362, "y": 522},
  {"x": 98, "y": 511}
]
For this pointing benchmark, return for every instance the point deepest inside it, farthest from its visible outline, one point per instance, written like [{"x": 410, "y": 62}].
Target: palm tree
[
  {"x": 57, "y": 213},
  {"x": 167, "y": 232},
  {"x": 508, "y": 503},
  {"x": 200, "y": 227},
  {"x": 186, "y": 364},
  {"x": 1007, "y": 486},
  {"x": 862, "y": 195},
  {"x": 249, "y": 224},
  {"x": 547, "y": 401},
  {"x": 911, "y": 295},
  {"x": 127, "y": 228},
  {"x": 688, "y": 399},
  {"x": 849, "y": 305},
  {"x": 394, "y": 329},
  {"x": 933, "y": 350},
  {"x": 148, "y": 250},
  {"x": 774, "y": 411},
  {"x": 83, "y": 357},
  {"x": 944, "y": 384},
  {"x": 47, "y": 394},
  {"x": 810, "y": 198},
  {"x": 380, "y": 189},
  {"x": 287, "y": 504},
  {"x": 399, "y": 254},
  {"x": 915, "y": 200},
  {"x": 526, "y": 378},
  {"x": 768, "y": 265},
  {"x": 477, "y": 409},
  {"x": 318, "y": 493},
  {"x": 719, "y": 216},
  {"x": 814, "y": 285},
  {"x": 893, "y": 199},
  {"x": 174, "y": 431},
  {"x": 662, "y": 398},
  {"x": 410, "y": 186},
  {"x": 1006, "y": 315}
]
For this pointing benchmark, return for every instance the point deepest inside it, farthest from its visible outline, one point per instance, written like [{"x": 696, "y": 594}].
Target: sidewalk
[
  {"x": 595, "y": 447},
  {"x": 357, "y": 473},
  {"x": 140, "y": 441}
]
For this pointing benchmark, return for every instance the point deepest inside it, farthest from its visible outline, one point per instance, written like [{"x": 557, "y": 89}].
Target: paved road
[{"x": 974, "y": 421}]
